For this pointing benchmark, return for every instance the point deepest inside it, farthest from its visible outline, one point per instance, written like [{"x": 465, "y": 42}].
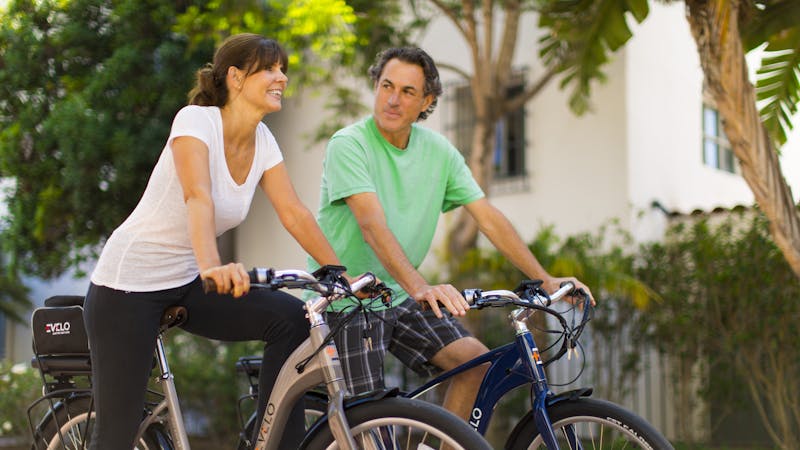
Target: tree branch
[
  {"x": 508, "y": 41},
  {"x": 518, "y": 101},
  {"x": 488, "y": 31},
  {"x": 452, "y": 16},
  {"x": 459, "y": 71}
]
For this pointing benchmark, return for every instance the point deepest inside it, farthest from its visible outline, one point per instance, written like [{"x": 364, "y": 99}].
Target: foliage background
[
  {"x": 20, "y": 386},
  {"x": 729, "y": 313},
  {"x": 88, "y": 90}
]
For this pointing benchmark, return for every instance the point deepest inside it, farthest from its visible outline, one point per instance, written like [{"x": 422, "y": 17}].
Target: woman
[{"x": 217, "y": 152}]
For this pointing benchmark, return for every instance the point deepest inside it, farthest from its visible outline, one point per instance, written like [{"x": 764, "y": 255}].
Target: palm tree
[{"x": 724, "y": 31}]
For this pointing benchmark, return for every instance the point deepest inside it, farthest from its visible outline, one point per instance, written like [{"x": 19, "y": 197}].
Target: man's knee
[{"x": 458, "y": 352}]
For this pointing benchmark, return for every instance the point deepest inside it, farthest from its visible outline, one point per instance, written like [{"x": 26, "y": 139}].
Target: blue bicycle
[{"x": 567, "y": 420}]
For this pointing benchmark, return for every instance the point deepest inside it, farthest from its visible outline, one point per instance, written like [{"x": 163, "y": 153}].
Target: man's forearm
[
  {"x": 506, "y": 239},
  {"x": 393, "y": 258}
]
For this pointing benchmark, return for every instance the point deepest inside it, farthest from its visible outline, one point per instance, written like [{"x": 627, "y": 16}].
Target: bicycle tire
[
  {"x": 70, "y": 415},
  {"x": 316, "y": 406},
  {"x": 600, "y": 424},
  {"x": 401, "y": 423}
]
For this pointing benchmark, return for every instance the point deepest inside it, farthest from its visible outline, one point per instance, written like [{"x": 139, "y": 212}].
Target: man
[{"x": 385, "y": 182}]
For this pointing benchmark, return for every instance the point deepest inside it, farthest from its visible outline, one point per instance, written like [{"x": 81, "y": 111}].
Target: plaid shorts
[{"x": 411, "y": 334}]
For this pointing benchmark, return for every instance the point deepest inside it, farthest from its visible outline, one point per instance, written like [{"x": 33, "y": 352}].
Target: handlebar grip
[
  {"x": 257, "y": 275},
  {"x": 471, "y": 295},
  {"x": 209, "y": 285}
]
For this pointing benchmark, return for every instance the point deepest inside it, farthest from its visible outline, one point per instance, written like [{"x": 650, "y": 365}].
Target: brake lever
[
  {"x": 380, "y": 290},
  {"x": 530, "y": 289}
]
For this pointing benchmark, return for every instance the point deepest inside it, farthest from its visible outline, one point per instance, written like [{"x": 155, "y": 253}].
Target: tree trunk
[
  {"x": 715, "y": 28},
  {"x": 491, "y": 63},
  {"x": 463, "y": 234}
]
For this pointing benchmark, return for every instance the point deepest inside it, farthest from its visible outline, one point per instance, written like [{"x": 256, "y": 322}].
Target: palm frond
[
  {"x": 777, "y": 84},
  {"x": 768, "y": 18},
  {"x": 581, "y": 35}
]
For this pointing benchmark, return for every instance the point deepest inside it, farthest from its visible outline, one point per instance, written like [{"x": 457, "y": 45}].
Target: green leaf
[
  {"x": 777, "y": 84},
  {"x": 580, "y": 36},
  {"x": 639, "y": 9}
]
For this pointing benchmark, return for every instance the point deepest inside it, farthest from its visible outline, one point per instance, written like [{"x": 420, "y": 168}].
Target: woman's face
[{"x": 264, "y": 88}]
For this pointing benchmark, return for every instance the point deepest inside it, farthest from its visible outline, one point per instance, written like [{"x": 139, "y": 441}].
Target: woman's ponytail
[{"x": 209, "y": 89}]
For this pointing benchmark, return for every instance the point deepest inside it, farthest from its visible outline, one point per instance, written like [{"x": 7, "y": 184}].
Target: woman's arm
[
  {"x": 295, "y": 217},
  {"x": 191, "y": 164}
]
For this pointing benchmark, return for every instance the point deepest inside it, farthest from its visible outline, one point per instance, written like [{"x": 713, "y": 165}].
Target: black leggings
[{"x": 123, "y": 326}]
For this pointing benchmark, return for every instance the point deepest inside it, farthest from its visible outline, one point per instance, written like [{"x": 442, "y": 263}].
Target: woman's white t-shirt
[{"x": 151, "y": 250}]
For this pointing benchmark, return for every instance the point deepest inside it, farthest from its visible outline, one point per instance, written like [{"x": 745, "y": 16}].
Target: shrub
[{"x": 20, "y": 385}]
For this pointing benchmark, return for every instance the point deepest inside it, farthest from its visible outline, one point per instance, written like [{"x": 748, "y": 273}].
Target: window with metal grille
[{"x": 508, "y": 155}]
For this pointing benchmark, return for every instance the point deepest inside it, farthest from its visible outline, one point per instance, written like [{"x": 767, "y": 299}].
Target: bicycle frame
[
  {"x": 290, "y": 385},
  {"x": 511, "y": 365}
]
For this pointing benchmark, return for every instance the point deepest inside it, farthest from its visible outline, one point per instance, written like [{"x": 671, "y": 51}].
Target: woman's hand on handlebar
[{"x": 231, "y": 278}]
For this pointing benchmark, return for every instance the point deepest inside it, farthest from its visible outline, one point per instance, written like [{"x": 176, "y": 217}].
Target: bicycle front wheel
[
  {"x": 315, "y": 407},
  {"x": 70, "y": 425},
  {"x": 402, "y": 423},
  {"x": 595, "y": 424}
]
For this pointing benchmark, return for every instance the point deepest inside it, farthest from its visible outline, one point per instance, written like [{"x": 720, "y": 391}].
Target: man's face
[{"x": 399, "y": 97}]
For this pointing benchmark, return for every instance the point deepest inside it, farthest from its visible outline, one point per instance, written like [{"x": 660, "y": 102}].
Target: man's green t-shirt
[{"x": 414, "y": 186}]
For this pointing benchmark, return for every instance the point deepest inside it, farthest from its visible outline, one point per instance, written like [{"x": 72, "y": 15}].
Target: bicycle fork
[{"x": 539, "y": 386}]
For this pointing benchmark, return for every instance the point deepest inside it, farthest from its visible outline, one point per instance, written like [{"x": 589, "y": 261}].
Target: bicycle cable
[{"x": 357, "y": 307}]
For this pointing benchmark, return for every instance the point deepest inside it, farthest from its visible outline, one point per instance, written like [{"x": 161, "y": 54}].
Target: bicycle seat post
[{"x": 176, "y": 425}]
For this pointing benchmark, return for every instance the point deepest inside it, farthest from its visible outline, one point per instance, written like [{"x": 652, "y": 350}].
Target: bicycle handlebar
[
  {"x": 530, "y": 297},
  {"x": 326, "y": 281},
  {"x": 478, "y": 298}
]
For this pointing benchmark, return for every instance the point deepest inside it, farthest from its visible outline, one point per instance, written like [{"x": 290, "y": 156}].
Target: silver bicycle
[{"x": 379, "y": 420}]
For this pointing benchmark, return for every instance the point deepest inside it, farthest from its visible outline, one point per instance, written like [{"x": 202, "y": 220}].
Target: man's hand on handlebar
[
  {"x": 369, "y": 291},
  {"x": 552, "y": 284},
  {"x": 446, "y": 295},
  {"x": 231, "y": 278}
]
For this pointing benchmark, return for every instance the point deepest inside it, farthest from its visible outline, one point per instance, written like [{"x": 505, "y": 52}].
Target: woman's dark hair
[
  {"x": 246, "y": 51},
  {"x": 412, "y": 55}
]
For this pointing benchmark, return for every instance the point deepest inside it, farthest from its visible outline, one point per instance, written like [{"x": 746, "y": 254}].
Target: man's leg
[
  {"x": 463, "y": 389},
  {"x": 362, "y": 345},
  {"x": 428, "y": 344}
]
